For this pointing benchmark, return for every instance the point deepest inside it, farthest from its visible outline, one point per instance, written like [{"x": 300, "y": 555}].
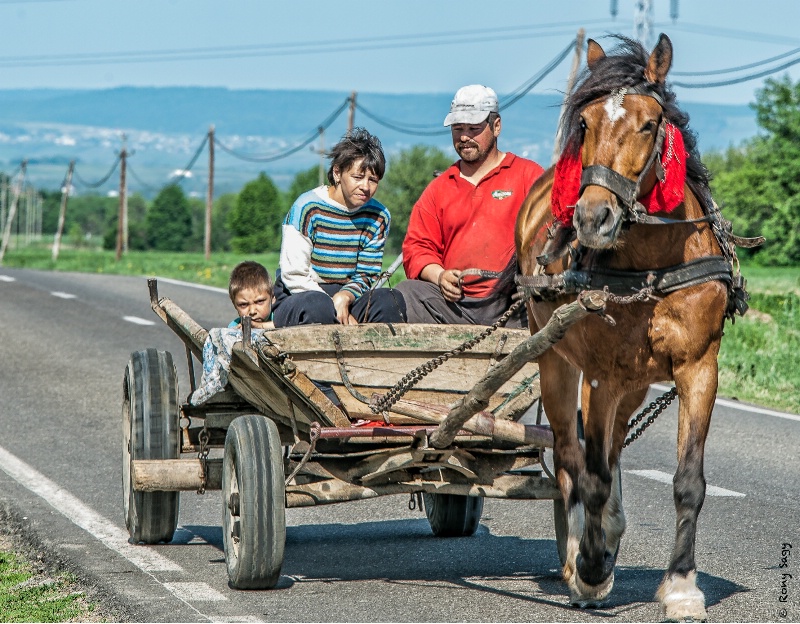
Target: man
[{"x": 465, "y": 219}]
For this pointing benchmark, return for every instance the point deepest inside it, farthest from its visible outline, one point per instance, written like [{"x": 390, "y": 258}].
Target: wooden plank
[{"x": 384, "y": 338}]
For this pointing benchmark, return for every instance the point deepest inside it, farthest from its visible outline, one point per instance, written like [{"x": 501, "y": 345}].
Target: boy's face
[{"x": 255, "y": 303}]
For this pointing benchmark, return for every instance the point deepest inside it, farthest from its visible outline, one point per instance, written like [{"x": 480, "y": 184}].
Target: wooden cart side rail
[{"x": 189, "y": 331}]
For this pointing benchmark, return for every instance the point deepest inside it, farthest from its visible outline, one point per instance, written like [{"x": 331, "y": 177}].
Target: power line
[
  {"x": 103, "y": 180},
  {"x": 729, "y": 33},
  {"x": 724, "y": 83},
  {"x": 290, "y": 49},
  {"x": 279, "y": 155},
  {"x": 730, "y": 70},
  {"x": 512, "y": 98}
]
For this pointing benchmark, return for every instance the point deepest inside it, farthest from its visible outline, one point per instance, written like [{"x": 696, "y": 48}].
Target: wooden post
[
  {"x": 12, "y": 210},
  {"x": 351, "y": 117},
  {"x": 573, "y": 74},
  {"x": 122, "y": 185},
  {"x": 321, "y": 152},
  {"x": 63, "y": 212},
  {"x": 210, "y": 196}
]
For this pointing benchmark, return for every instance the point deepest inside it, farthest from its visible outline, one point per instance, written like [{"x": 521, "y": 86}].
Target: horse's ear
[
  {"x": 660, "y": 61},
  {"x": 593, "y": 53}
]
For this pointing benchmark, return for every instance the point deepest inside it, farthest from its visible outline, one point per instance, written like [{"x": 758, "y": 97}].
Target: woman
[{"x": 333, "y": 241}]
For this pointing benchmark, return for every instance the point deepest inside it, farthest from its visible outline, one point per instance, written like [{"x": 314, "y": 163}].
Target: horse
[{"x": 627, "y": 208}]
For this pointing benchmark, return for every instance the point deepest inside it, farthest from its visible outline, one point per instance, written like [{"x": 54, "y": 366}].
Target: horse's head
[{"x": 623, "y": 133}]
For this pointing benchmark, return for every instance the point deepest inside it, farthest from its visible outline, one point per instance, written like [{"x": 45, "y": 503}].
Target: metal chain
[
  {"x": 313, "y": 436},
  {"x": 202, "y": 455},
  {"x": 659, "y": 405},
  {"x": 410, "y": 379}
]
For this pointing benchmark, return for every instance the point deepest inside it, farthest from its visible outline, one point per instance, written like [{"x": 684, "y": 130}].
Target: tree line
[{"x": 757, "y": 184}]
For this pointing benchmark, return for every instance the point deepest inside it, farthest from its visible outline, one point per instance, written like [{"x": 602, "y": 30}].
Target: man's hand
[
  {"x": 342, "y": 301},
  {"x": 450, "y": 284}
]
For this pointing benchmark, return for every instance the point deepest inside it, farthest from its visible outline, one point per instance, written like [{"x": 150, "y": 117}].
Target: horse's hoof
[
  {"x": 681, "y": 600},
  {"x": 588, "y": 596}
]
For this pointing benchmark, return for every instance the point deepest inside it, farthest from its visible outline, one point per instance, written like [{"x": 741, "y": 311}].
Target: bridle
[{"x": 629, "y": 191}]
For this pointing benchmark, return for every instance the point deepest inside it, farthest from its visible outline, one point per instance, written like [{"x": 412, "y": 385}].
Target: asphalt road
[{"x": 64, "y": 345}]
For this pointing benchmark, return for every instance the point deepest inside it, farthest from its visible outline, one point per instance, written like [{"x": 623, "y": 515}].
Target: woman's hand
[
  {"x": 450, "y": 284},
  {"x": 342, "y": 301}
]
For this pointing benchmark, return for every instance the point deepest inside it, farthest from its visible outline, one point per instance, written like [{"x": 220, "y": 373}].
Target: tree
[
  {"x": 220, "y": 236},
  {"x": 255, "y": 221},
  {"x": 407, "y": 175},
  {"x": 169, "y": 220},
  {"x": 758, "y": 184},
  {"x": 304, "y": 181}
]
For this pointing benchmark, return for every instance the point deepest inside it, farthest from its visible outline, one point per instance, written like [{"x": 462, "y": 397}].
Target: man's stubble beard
[{"x": 480, "y": 154}]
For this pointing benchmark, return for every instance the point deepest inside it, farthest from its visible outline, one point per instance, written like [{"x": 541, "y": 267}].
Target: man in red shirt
[{"x": 465, "y": 219}]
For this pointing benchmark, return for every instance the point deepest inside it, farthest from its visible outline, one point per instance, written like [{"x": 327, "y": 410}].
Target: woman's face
[{"x": 357, "y": 185}]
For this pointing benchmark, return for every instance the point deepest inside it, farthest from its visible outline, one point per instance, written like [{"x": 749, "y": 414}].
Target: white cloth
[{"x": 217, "y": 360}]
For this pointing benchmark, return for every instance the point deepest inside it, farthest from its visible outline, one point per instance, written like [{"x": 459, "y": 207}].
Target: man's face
[{"x": 473, "y": 142}]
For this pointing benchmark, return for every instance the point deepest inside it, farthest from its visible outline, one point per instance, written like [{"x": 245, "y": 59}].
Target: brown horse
[{"x": 636, "y": 216}]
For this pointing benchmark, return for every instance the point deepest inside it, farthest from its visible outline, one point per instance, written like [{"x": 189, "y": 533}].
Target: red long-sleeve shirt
[{"x": 462, "y": 226}]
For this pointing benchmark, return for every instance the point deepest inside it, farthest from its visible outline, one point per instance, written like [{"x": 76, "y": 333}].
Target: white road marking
[
  {"x": 663, "y": 477},
  {"x": 168, "y": 280},
  {"x": 195, "y": 592},
  {"x": 740, "y": 406},
  {"x": 62, "y": 295},
  {"x": 137, "y": 320},
  {"x": 146, "y": 559},
  {"x": 7, "y": 278}
]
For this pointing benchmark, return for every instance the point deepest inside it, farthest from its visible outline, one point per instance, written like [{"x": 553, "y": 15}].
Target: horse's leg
[
  {"x": 594, "y": 564},
  {"x": 613, "y": 514},
  {"x": 559, "y": 388},
  {"x": 678, "y": 594}
]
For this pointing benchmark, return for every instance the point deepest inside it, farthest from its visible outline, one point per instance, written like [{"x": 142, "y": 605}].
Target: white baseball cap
[{"x": 472, "y": 105}]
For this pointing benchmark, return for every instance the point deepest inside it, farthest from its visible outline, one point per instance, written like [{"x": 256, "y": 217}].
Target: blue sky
[{"x": 379, "y": 46}]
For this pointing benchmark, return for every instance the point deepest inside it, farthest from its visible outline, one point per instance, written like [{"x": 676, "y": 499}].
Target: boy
[{"x": 250, "y": 290}]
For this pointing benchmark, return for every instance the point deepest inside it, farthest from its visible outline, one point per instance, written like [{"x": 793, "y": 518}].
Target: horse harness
[{"x": 584, "y": 271}]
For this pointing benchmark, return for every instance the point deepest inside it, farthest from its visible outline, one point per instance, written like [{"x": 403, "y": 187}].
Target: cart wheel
[
  {"x": 254, "y": 503},
  {"x": 150, "y": 423},
  {"x": 453, "y": 515},
  {"x": 562, "y": 529}
]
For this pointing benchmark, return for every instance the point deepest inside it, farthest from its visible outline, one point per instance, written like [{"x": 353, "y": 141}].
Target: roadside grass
[
  {"x": 759, "y": 359},
  {"x": 28, "y": 595}
]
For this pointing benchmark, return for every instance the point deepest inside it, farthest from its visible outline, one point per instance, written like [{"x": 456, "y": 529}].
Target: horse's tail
[{"x": 506, "y": 284}]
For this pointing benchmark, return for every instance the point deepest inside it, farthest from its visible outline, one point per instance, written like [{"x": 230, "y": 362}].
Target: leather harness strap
[{"x": 620, "y": 282}]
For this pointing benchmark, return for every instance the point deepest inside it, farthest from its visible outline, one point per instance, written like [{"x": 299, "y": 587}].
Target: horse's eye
[
  {"x": 648, "y": 127},
  {"x": 583, "y": 124}
]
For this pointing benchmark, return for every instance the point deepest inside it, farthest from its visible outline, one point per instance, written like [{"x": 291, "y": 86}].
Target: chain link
[
  {"x": 412, "y": 378},
  {"x": 657, "y": 406},
  {"x": 202, "y": 455}
]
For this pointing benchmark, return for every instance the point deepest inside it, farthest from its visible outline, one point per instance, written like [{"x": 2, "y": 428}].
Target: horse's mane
[{"x": 625, "y": 67}]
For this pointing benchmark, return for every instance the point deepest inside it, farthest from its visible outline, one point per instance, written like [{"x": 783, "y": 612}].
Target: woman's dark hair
[{"x": 355, "y": 145}]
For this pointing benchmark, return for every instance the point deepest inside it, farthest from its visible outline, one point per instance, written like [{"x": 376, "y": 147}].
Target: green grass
[
  {"x": 26, "y": 596},
  {"x": 759, "y": 359}
]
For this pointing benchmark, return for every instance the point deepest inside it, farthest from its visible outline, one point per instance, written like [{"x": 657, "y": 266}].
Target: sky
[{"x": 382, "y": 46}]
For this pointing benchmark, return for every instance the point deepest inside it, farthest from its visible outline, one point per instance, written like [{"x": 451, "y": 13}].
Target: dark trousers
[{"x": 382, "y": 305}]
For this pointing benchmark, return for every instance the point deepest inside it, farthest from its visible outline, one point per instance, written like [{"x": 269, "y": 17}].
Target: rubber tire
[
  {"x": 453, "y": 515},
  {"x": 253, "y": 468},
  {"x": 150, "y": 430}
]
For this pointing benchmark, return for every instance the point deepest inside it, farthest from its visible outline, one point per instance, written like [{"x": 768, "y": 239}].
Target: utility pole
[
  {"x": 12, "y": 210},
  {"x": 573, "y": 74},
  {"x": 210, "y": 196},
  {"x": 351, "y": 117},
  {"x": 123, "y": 155},
  {"x": 63, "y": 212},
  {"x": 643, "y": 22},
  {"x": 321, "y": 152},
  {"x": 3, "y": 200}
]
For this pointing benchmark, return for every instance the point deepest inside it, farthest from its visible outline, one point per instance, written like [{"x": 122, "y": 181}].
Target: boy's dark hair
[
  {"x": 248, "y": 274},
  {"x": 355, "y": 145}
]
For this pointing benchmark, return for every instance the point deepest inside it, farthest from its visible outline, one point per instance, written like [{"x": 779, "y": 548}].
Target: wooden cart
[{"x": 284, "y": 443}]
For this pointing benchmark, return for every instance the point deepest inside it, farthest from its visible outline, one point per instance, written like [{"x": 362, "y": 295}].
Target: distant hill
[{"x": 165, "y": 126}]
